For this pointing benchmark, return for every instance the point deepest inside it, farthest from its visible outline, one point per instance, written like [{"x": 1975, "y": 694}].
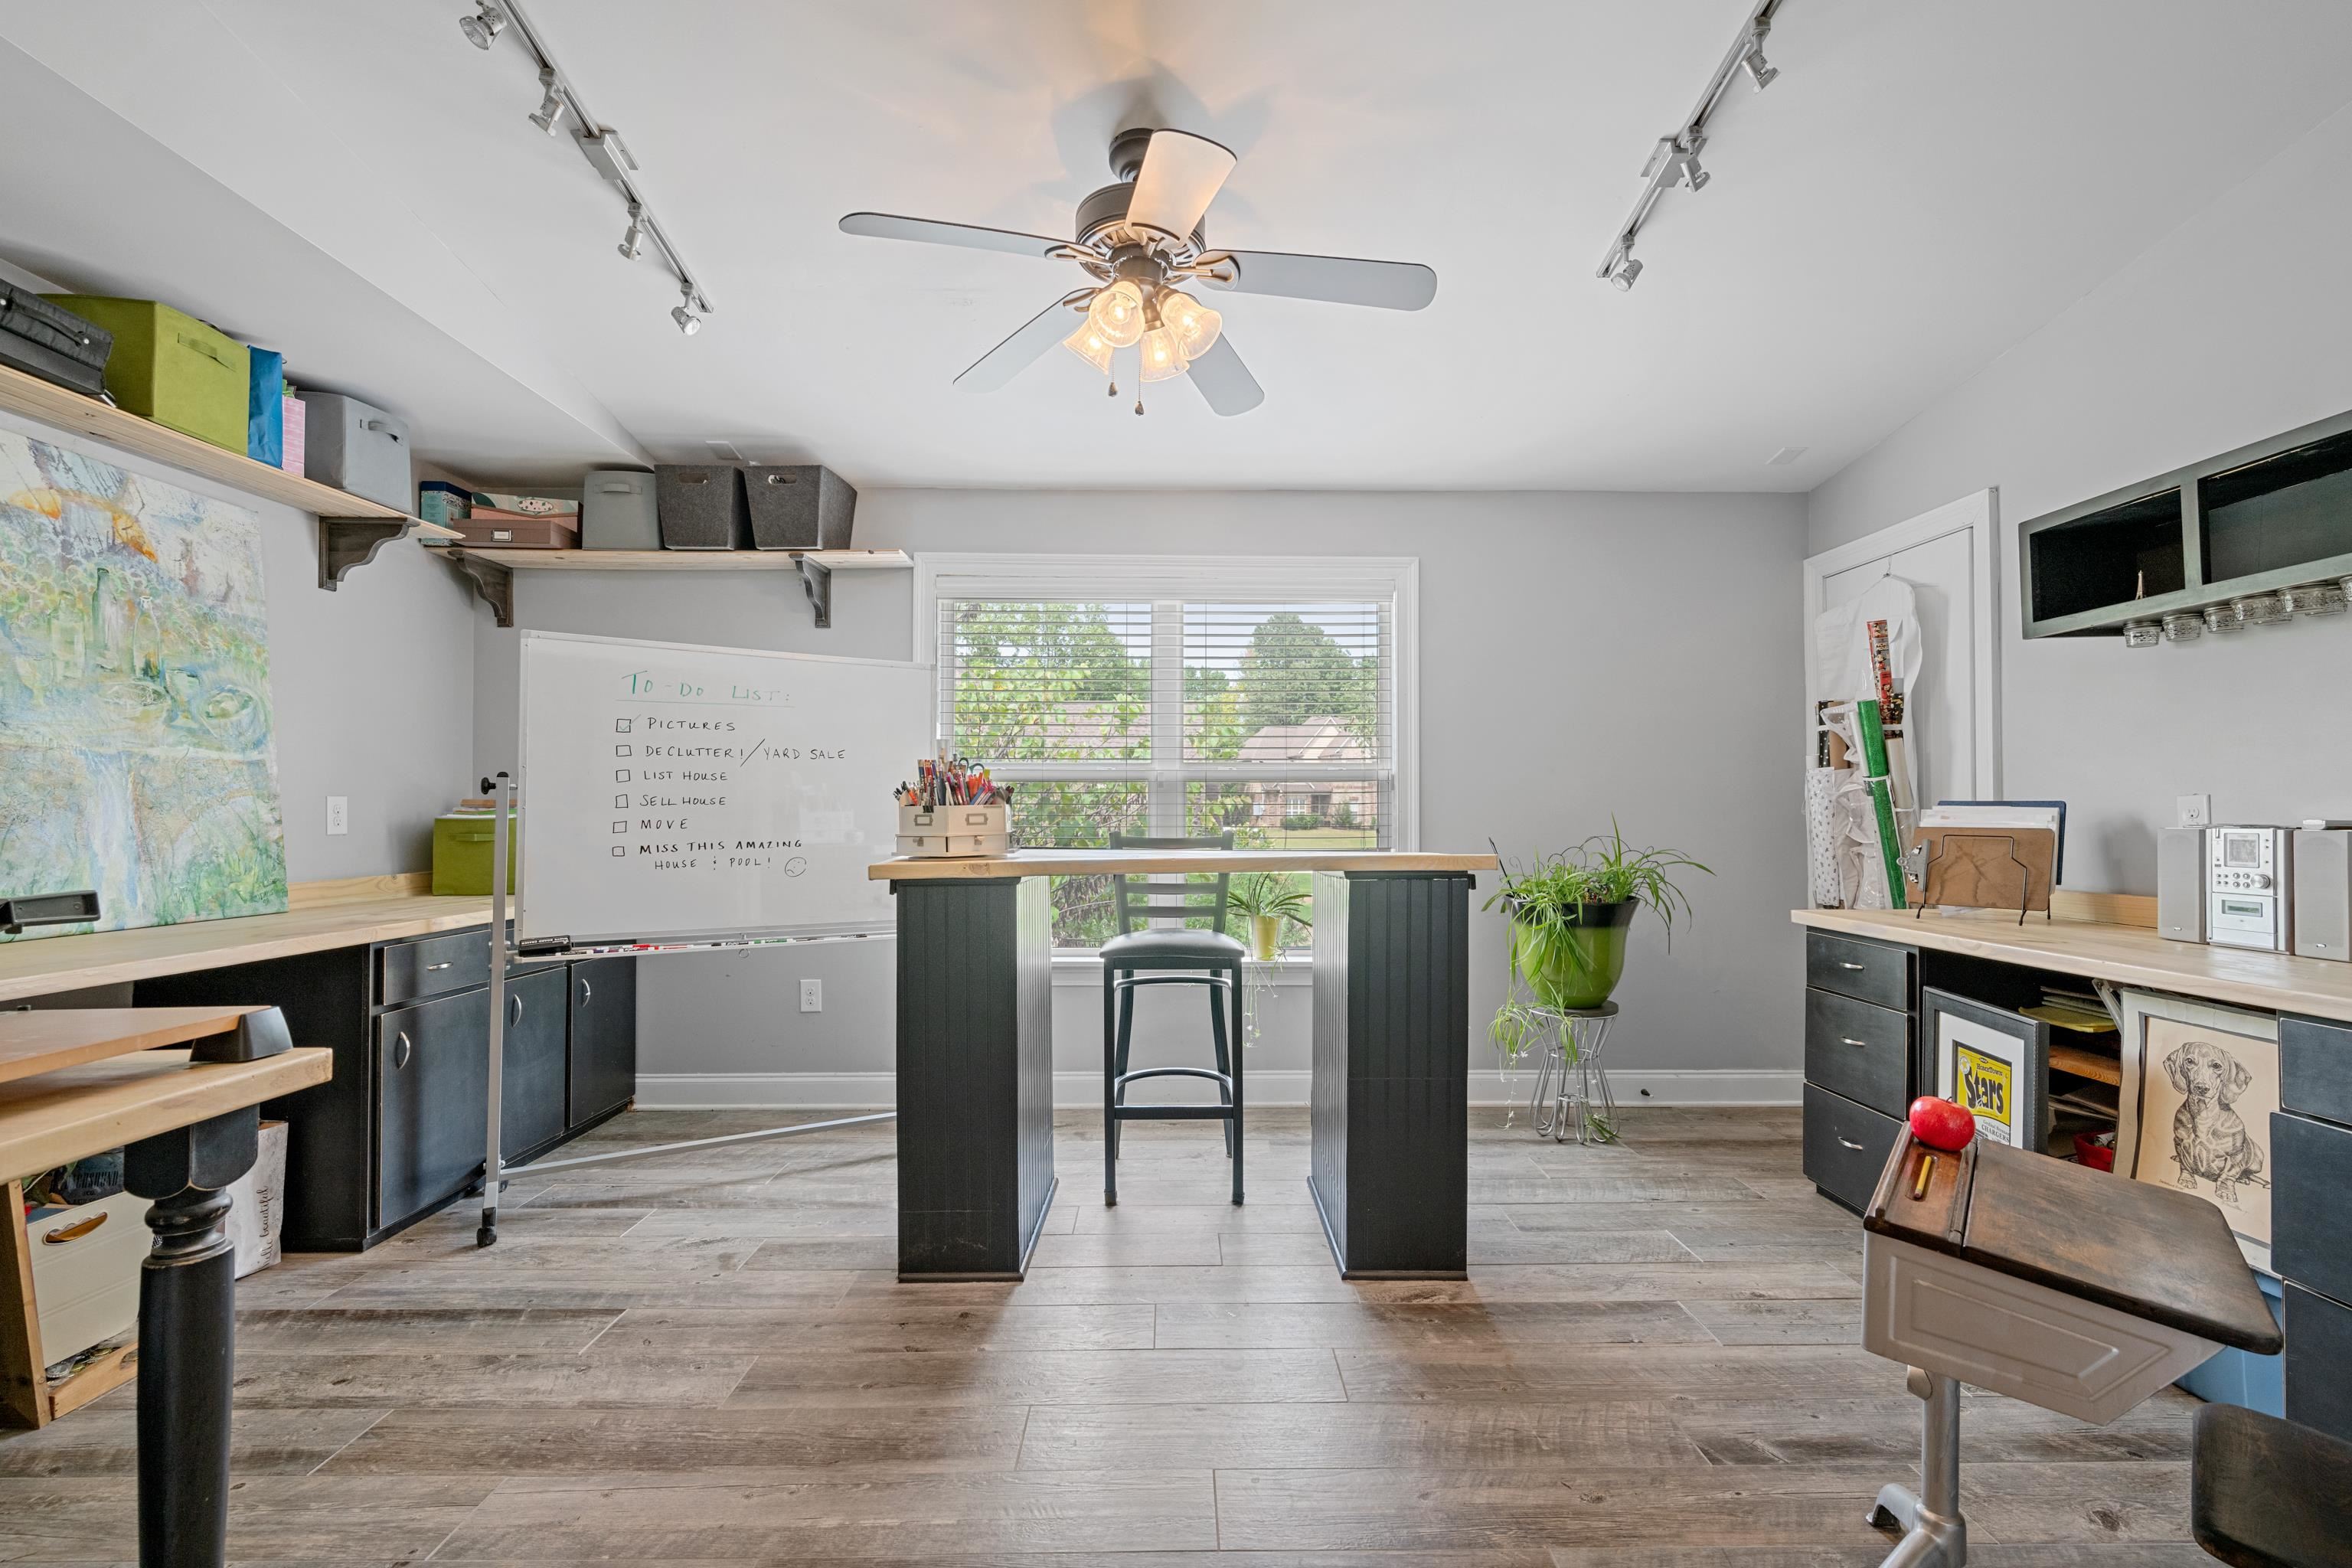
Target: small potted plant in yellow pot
[{"x": 1267, "y": 901}]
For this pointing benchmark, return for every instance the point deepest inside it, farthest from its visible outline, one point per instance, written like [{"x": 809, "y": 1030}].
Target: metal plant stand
[{"x": 1570, "y": 1075}]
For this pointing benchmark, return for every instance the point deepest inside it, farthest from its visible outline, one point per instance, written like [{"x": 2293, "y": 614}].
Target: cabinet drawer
[
  {"x": 432, "y": 1086},
  {"x": 2311, "y": 1204},
  {"x": 2316, "y": 1069},
  {"x": 407, "y": 970},
  {"x": 1866, "y": 970},
  {"x": 85, "y": 1267},
  {"x": 1846, "y": 1146},
  {"x": 2318, "y": 1361},
  {"x": 1860, "y": 1050}
]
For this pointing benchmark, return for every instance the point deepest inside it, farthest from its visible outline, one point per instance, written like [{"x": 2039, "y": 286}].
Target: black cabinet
[
  {"x": 604, "y": 1046},
  {"x": 399, "y": 1130},
  {"x": 1860, "y": 1068}
]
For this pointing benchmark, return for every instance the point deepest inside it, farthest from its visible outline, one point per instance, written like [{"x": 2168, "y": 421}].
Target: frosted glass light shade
[
  {"x": 1088, "y": 344},
  {"x": 1195, "y": 325},
  {"x": 1163, "y": 356},
  {"x": 1117, "y": 313}
]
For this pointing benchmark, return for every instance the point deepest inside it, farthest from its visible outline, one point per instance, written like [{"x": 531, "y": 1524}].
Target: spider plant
[{"x": 1267, "y": 899}]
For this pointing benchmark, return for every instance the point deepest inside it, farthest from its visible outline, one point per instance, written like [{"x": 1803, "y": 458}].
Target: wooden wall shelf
[
  {"x": 352, "y": 528},
  {"x": 491, "y": 572}
]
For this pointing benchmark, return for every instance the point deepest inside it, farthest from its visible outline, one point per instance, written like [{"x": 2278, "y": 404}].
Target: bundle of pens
[{"x": 952, "y": 781}]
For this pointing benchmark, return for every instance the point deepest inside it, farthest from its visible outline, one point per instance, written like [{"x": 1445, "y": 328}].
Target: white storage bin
[
  {"x": 955, "y": 831},
  {"x": 358, "y": 448},
  {"x": 256, "y": 1204},
  {"x": 86, "y": 1272}
]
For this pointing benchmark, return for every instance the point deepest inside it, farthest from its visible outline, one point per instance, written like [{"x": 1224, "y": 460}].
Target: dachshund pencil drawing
[{"x": 2208, "y": 1138}]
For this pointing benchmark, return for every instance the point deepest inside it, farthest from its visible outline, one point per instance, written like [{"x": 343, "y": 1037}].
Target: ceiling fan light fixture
[
  {"x": 1195, "y": 325},
  {"x": 1163, "y": 355},
  {"x": 1116, "y": 312},
  {"x": 1088, "y": 344}
]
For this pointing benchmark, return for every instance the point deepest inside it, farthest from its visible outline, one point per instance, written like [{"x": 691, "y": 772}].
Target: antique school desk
[
  {"x": 1866, "y": 1056},
  {"x": 1391, "y": 1114},
  {"x": 179, "y": 1089}
]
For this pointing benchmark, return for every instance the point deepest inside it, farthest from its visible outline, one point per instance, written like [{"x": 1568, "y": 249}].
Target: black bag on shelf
[{"x": 41, "y": 339}]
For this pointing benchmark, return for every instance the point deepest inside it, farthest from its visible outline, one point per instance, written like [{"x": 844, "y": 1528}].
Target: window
[{"x": 1178, "y": 696}]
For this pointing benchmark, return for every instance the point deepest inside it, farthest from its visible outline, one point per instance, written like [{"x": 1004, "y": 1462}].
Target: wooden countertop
[
  {"x": 32, "y": 1042},
  {"x": 40, "y": 965},
  {"x": 2129, "y": 955},
  {"x": 1145, "y": 862},
  {"x": 76, "y": 1111}
]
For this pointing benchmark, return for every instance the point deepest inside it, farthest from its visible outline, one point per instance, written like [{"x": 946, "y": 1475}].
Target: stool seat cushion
[
  {"x": 1200, "y": 946},
  {"x": 2267, "y": 1493}
]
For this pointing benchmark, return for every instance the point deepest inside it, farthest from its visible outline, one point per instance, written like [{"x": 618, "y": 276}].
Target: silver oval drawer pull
[
  {"x": 402, "y": 1052},
  {"x": 1849, "y": 1142},
  {"x": 430, "y": 967},
  {"x": 1843, "y": 964},
  {"x": 1850, "y": 1040}
]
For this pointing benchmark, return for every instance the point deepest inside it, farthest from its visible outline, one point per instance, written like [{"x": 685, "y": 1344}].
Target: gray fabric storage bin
[
  {"x": 358, "y": 448},
  {"x": 617, "y": 510},
  {"x": 799, "y": 506},
  {"x": 701, "y": 506}
]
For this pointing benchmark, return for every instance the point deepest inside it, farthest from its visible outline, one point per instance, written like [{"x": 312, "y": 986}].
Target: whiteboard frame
[{"x": 615, "y": 942}]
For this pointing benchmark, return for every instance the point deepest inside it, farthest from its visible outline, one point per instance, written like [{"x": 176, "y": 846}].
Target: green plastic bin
[
  {"x": 171, "y": 368},
  {"x": 461, "y": 854}
]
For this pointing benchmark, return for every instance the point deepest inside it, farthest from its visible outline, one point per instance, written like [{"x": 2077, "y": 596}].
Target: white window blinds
[{"x": 1180, "y": 699}]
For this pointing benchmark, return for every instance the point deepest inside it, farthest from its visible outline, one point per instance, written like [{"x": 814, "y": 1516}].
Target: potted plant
[
  {"x": 1570, "y": 914},
  {"x": 1266, "y": 899}
]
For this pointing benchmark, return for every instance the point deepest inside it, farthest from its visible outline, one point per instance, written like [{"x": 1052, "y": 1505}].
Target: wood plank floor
[{"x": 705, "y": 1358}]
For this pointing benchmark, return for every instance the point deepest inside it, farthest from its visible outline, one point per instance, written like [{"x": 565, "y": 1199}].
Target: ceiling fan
[{"x": 1138, "y": 240}]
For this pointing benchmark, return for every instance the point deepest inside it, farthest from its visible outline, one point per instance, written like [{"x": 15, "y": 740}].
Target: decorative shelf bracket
[
  {"x": 816, "y": 577},
  {"x": 493, "y": 583},
  {"x": 345, "y": 542}
]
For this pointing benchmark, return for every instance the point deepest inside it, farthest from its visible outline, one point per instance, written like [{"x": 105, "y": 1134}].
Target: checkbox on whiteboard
[
  {"x": 619, "y": 853},
  {"x": 622, "y": 751},
  {"x": 620, "y": 802},
  {"x": 620, "y": 827},
  {"x": 621, "y": 726},
  {"x": 620, "y": 775}
]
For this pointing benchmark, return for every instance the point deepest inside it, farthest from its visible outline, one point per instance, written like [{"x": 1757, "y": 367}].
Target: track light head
[
  {"x": 1759, "y": 70},
  {"x": 483, "y": 27},
  {"x": 551, "y": 103},
  {"x": 1624, "y": 272},
  {"x": 683, "y": 312},
  {"x": 633, "y": 243},
  {"x": 1693, "y": 175}
]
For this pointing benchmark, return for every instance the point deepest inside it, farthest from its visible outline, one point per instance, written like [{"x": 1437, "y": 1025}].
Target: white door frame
[{"x": 1979, "y": 513}]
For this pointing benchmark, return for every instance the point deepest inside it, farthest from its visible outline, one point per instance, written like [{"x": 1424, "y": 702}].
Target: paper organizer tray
[{"x": 949, "y": 831}]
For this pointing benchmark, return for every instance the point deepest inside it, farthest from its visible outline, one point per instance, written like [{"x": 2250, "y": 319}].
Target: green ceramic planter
[{"x": 1580, "y": 968}]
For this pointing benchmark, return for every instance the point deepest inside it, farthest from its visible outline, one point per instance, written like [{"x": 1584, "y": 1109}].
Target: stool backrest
[{"x": 1139, "y": 900}]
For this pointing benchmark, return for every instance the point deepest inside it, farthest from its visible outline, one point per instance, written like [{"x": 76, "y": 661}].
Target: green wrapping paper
[{"x": 1874, "y": 757}]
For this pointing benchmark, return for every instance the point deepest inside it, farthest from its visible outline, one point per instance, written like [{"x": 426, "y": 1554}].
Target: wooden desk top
[
  {"x": 38, "y": 966},
  {"x": 82, "y": 1111},
  {"x": 34, "y": 1043},
  {"x": 2154, "y": 1252},
  {"x": 1145, "y": 862},
  {"x": 2129, "y": 955}
]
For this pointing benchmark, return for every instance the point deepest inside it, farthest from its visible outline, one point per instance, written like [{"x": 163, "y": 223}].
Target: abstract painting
[
  {"x": 136, "y": 751},
  {"x": 2199, "y": 1084}
]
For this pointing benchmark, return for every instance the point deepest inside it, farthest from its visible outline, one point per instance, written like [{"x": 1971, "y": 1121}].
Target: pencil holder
[{"x": 949, "y": 831}]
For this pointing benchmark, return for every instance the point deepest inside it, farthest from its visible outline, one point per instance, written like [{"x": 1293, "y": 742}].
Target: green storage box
[
  {"x": 461, "y": 854},
  {"x": 171, "y": 368}
]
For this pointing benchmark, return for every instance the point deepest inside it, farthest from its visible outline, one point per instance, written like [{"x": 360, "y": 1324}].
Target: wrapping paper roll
[{"x": 1821, "y": 835}]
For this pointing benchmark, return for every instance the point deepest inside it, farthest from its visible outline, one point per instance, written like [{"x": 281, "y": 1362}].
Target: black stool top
[
  {"x": 2154, "y": 1252},
  {"x": 2266, "y": 1493}
]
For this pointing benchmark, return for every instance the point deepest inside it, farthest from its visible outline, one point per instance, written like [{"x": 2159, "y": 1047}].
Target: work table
[
  {"x": 2129, "y": 955},
  {"x": 1161, "y": 862}
]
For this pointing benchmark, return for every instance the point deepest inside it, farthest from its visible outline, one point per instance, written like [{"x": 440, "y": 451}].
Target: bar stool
[
  {"x": 2267, "y": 1493},
  {"x": 1162, "y": 955},
  {"x": 1577, "y": 1032}
]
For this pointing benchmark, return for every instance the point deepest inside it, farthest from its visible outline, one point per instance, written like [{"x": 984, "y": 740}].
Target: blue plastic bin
[{"x": 2234, "y": 1377}]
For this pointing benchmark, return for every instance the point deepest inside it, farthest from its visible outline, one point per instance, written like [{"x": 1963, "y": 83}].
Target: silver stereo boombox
[{"x": 2250, "y": 887}]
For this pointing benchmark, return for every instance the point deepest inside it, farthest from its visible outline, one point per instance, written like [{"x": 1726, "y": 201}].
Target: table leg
[{"x": 187, "y": 1324}]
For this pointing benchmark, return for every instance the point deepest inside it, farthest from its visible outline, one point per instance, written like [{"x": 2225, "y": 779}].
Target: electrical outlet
[
  {"x": 339, "y": 815},
  {"x": 812, "y": 996},
  {"x": 2193, "y": 811}
]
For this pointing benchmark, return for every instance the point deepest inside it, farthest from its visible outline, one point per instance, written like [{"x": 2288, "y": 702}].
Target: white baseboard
[{"x": 1078, "y": 1090}]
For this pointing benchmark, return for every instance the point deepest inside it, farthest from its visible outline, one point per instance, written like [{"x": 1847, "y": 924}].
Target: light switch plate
[
  {"x": 339, "y": 815},
  {"x": 2193, "y": 811},
  {"x": 812, "y": 996}
]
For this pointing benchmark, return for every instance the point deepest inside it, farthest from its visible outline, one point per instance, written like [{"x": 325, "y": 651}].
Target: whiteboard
[{"x": 674, "y": 792}]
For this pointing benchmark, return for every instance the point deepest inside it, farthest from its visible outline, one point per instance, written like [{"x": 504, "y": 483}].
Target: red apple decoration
[{"x": 1940, "y": 1124}]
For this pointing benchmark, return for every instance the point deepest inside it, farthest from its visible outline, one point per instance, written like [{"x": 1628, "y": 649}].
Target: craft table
[
  {"x": 1391, "y": 1056},
  {"x": 79, "y": 1083}
]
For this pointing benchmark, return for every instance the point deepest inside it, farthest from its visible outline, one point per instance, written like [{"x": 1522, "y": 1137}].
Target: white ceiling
[{"x": 1923, "y": 186}]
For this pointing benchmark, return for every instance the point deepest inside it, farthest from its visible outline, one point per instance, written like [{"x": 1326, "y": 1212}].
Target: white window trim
[{"x": 1300, "y": 578}]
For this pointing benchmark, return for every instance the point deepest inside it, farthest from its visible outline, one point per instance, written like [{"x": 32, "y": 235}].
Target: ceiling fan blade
[
  {"x": 1342, "y": 279},
  {"x": 1008, "y": 359},
  {"x": 889, "y": 226},
  {"x": 1224, "y": 381},
  {"x": 1181, "y": 174}
]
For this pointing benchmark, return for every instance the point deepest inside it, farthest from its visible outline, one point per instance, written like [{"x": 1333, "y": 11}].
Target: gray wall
[
  {"x": 2233, "y": 327},
  {"x": 372, "y": 687},
  {"x": 1580, "y": 655}
]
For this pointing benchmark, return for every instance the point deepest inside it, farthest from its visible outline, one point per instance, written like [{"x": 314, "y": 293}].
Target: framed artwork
[
  {"x": 1993, "y": 1062},
  {"x": 2199, "y": 1084}
]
